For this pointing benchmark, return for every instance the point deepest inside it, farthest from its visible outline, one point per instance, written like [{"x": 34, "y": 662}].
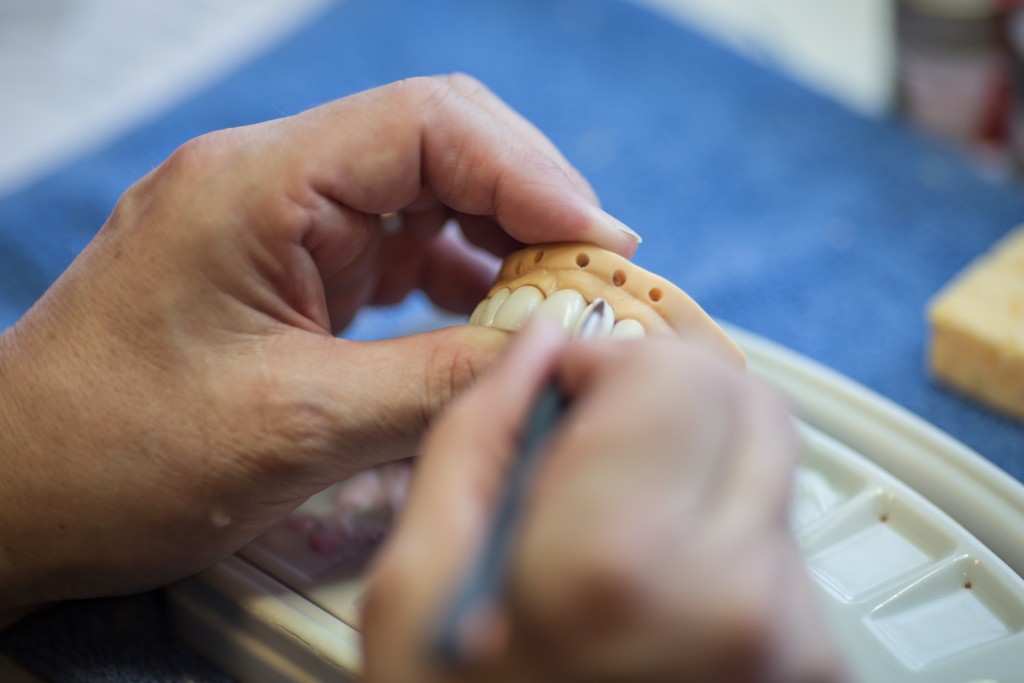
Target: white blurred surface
[
  {"x": 76, "y": 73},
  {"x": 843, "y": 48}
]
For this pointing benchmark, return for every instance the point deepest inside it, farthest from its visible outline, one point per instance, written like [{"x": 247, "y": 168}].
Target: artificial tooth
[
  {"x": 601, "y": 327},
  {"x": 517, "y": 308},
  {"x": 478, "y": 312},
  {"x": 493, "y": 305},
  {"x": 628, "y": 329},
  {"x": 564, "y": 307}
]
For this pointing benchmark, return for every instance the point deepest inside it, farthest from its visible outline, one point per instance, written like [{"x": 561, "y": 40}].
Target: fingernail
[{"x": 605, "y": 218}]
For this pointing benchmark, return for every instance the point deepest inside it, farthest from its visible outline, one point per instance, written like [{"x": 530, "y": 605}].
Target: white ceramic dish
[{"x": 916, "y": 542}]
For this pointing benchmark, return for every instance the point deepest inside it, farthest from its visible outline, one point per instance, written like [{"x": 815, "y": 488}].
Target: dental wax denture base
[
  {"x": 977, "y": 320},
  {"x": 561, "y": 280}
]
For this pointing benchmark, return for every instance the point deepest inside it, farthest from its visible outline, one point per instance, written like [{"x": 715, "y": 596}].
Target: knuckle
[
  {"x": 203, "y": 152},
  {"x": 440, "y": 381},
  {"x": 466, "y": 84},
  {"x": 304, "y": 424},
  {"x": 452, "y": 366},
  {"x": 186, "y": 170},
  {"x": 424, "y": 91},
  {"x": 296, "y": 428},
  {"x": 131, "y": 203}
]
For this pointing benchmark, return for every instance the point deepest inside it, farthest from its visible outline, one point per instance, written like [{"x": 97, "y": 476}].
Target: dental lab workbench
[{"x": 815, "y": 236}]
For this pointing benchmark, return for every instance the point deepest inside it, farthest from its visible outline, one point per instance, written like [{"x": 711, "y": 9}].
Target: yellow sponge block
[{"x": 977, "y": 320}]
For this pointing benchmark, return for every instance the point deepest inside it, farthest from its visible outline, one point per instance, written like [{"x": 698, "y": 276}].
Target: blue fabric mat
[{"x": 778, "y": 210}]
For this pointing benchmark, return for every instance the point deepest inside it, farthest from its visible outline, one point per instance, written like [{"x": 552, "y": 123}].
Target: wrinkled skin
[
  {"x": 656, "y": 545},
  {"x": 179, "y": 388}
]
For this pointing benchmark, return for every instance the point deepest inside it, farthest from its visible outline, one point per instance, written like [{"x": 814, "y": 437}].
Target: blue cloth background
[{"x": 778, "y": 210}]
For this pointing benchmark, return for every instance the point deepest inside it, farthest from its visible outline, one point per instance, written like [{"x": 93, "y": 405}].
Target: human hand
[
  {"x": 180, "y": 388},
  {"x": 656, "y": 544}
]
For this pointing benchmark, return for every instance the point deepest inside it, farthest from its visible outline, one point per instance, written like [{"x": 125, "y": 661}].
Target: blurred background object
[
  {"x": 843, "y": 48},
  {"x": 74, "y": 74},
  {"x": 953, "y": 69},
  {"x": 1016, "y": 127},
  {"x": 77, "y": 73},
  {"x": 954, "y": 72}
]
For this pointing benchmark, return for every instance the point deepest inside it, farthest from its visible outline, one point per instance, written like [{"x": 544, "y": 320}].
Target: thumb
[
  {"x": 373, "y": 401},
  {"x": 466, "y": 455},
  {"x": 457, "y": 482}
]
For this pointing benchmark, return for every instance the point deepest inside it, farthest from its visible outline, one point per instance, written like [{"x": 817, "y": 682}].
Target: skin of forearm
[
  {"x": 19, "y": 508},
  {"x": 53, "y": 455},
  {"x": 90, "y": 502}
]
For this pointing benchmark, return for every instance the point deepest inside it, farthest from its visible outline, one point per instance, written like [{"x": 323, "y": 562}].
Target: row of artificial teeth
[{"x": 509, "y": 310}]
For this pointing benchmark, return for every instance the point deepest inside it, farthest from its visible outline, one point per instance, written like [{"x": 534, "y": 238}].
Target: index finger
[
  {"x": 374, "y": 152},
  {"x": 480, "y": 94},
  {"x": 445, "y": 516}
]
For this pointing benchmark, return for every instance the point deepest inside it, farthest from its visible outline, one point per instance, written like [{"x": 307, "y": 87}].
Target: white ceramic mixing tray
[{"x": 916, "y": 543}]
